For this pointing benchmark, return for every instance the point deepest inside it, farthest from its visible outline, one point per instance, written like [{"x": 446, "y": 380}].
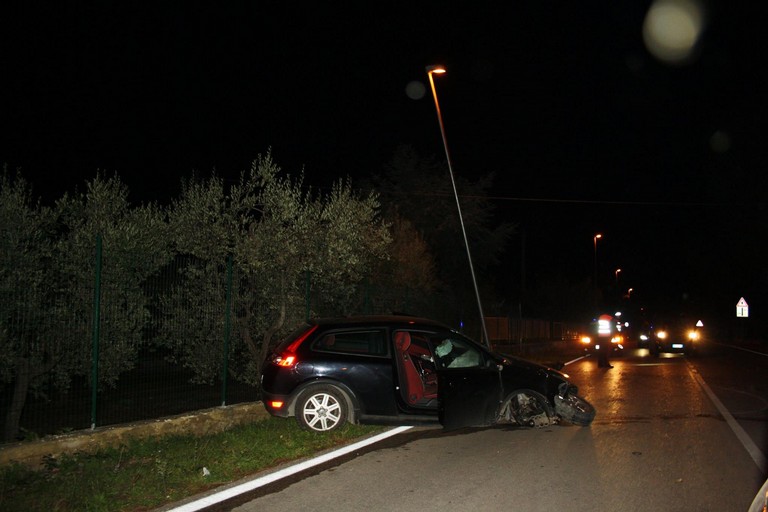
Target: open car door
[{"x": 469, "y": 383}]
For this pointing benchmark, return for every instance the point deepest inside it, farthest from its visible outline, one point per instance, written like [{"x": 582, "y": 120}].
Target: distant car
[
  {"x": 674, "y": 337},
  {"x": 644, "y": 338},
  {"x": 406, "y": 370}
]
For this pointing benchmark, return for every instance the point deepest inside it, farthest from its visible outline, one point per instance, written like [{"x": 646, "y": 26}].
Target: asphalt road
[{"x": 659, "y": 442}]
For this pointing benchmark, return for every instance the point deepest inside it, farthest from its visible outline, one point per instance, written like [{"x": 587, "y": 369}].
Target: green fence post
[
  {"x": 95, "y": 340},
  {"x": 227, "y": 328}
]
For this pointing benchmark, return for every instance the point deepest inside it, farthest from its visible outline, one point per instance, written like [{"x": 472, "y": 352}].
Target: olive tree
[
  {"x": 134, "y": 241},
  {"x": 48, "y": 275},
  {"x": 337, "y": 239},
  {"x": 28, "y": 349},
  {"x": 276, "y": 231},
  {"x": 208, "y": 222}
]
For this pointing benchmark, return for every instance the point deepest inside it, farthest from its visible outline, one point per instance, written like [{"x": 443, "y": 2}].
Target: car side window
[
  {"x": 458, "y": 353},
  {"x": 368, "y": 342}
]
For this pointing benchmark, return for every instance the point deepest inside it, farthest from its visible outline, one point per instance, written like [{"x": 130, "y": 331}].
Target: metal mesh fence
[
  {"x": 90, "y": 349},
  {"x": 93, "y": 347}
]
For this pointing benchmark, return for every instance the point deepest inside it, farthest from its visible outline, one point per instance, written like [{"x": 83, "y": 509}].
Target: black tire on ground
[
  {"x": 321, "y": 408},
  {"x": 530, "y": 409}
]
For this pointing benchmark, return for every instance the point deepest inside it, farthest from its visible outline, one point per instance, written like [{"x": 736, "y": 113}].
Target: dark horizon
[{"x": 584, "y": 127}]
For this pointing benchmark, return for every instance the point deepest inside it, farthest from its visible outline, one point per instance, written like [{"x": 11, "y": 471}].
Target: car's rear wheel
[
  {"x": 321, "y": 408},
  {"x": 530, "y": 409}
]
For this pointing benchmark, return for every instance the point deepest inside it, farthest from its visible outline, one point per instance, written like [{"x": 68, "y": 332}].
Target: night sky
[{"x": 586, "y": 129}]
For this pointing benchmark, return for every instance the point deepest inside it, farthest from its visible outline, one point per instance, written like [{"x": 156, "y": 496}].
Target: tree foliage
[
  {"x": 27, "y": 350},
  {"x": 419, "y": 189},
  {"x": 288, "y": 251},
  {"x": 48, "y": 271},
  {"x": 278, "y": 233}
]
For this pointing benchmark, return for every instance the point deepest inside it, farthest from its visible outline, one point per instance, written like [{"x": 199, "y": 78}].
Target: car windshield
[{"x": 456, "y": 351}]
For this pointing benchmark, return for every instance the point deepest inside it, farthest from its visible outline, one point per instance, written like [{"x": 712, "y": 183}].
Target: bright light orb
[{"x": 672, "y": 28}]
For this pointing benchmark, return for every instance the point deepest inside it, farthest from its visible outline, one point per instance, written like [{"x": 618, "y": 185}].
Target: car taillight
[
  {"x": 276, "y": 404},
  {"x": 287, "y": 358},
  {"x": 284, "y": 360}
]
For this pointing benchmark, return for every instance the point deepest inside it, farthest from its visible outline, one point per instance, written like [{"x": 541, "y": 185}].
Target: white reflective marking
[
  {"x": 753, "y": 450},
  {"x": 277, "y": 475}
]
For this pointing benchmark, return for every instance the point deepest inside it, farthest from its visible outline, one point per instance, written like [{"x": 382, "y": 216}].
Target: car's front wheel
[
  {"x": 321, "y": 408},
  {"x": 530, "y": 409}
]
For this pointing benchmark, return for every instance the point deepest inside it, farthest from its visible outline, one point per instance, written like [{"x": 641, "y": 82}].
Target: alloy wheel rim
[{"x": 322, "y": 412}]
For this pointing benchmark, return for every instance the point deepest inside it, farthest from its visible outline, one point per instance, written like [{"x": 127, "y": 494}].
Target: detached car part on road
[{"x": 406, "y": 370}]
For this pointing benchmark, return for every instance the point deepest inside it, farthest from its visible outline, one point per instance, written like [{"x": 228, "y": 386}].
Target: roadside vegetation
[
  {"x": 248, "y": 260},
  {"x": 94, "y": 285},
  {"x": 147, "y": 474}
]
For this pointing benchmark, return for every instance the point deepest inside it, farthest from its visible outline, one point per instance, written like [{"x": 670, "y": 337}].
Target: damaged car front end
[{"x": 554, "y": 400}]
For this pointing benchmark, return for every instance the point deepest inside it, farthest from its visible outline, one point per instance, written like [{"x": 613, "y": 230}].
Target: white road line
[
  {"x": 574, "y": 360},
  {"x": 277, "y": 475},
  {"x": 231, "y": 492},
  {"x": 754, "y": 451},
  {"x": 735, "y": 347}
]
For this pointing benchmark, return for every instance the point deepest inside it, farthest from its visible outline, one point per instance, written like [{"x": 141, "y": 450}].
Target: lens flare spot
[
  {"x": 415, "y": 90},
  {"x": 672, "y": 28}
]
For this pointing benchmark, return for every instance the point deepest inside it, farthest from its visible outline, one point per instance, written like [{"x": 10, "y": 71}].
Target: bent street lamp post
[
  {"x": 594, "y": 282},
  {"x": 440, "y": 70}
]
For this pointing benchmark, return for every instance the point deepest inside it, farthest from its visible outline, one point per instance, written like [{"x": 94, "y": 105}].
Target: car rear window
[{"x": 363, "y": 342}]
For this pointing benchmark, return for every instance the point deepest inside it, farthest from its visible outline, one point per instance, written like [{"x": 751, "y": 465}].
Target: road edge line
[
  {"x": 236, "y": 490},
  {"x": 754, "y": 451}
]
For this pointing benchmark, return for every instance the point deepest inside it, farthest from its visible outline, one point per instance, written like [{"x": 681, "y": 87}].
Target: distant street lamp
[
  {"x": 629, "y": 293},
  {"x": 436, "y": 69},
  {"x": 617, "y": 276}
]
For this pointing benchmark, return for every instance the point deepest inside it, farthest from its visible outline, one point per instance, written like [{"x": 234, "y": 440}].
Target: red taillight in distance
[{"x": 287, "y": 358}]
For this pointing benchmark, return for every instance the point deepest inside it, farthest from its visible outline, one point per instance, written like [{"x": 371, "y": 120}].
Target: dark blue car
[{"x": 406, "y": 370}]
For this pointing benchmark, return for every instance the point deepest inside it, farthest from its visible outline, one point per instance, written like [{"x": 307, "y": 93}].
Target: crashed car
[{"x": 406, "y": 370}]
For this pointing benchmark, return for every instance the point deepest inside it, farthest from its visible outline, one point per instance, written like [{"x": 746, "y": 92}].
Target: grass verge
[{"x": 145, "y": 474}]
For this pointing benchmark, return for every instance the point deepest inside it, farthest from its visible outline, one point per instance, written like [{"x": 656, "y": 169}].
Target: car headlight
[
  {"x": 662, "y": 335},
  {"x": 586, "y": 340},
  {"x": 693, "y": 335}
]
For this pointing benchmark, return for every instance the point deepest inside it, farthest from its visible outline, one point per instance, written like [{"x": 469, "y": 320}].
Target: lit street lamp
[
  {"x": 440, "y": 70},
  {"x": 594, "y": 279},
  {"x": 617, "y": 276},
  {"x": 594, "y": 239}
]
